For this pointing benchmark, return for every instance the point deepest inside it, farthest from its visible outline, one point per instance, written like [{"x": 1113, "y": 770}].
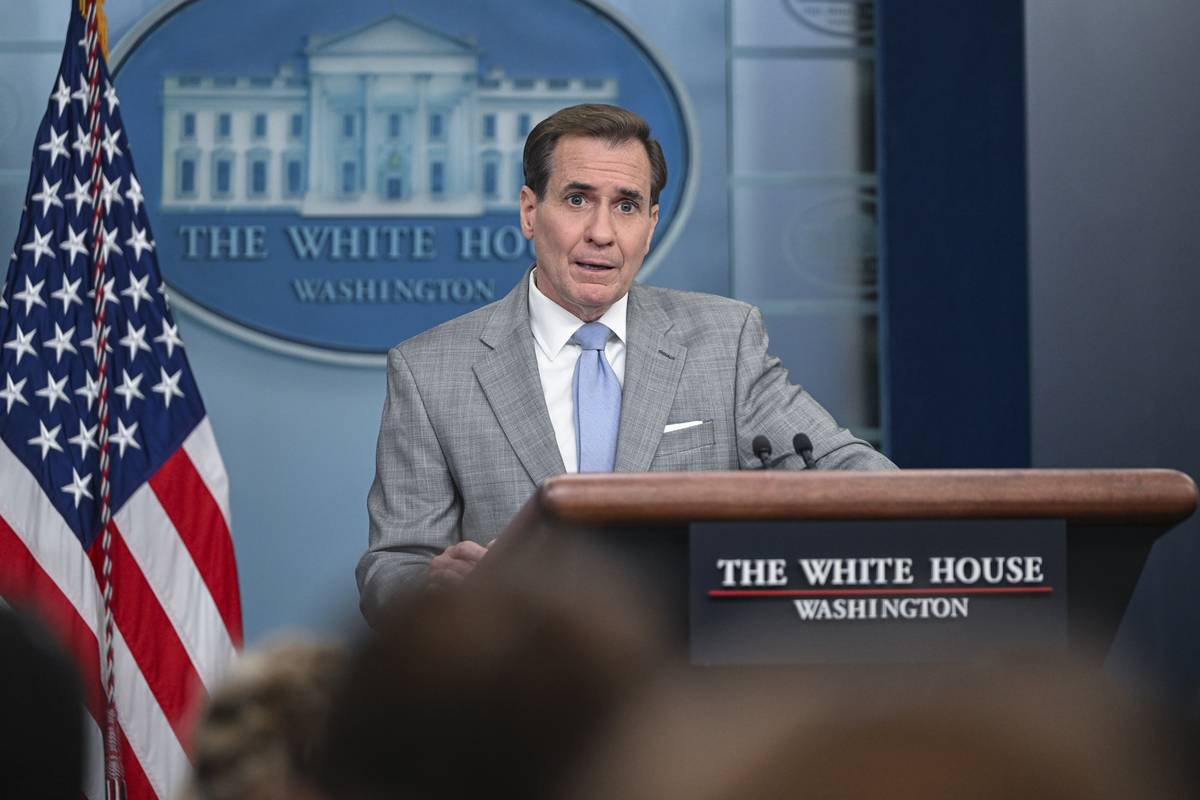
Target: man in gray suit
[{"x": 575, "y": 369}]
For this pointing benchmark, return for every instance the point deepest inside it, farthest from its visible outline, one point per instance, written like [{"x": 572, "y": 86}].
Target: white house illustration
[{"x": 393, "y": 119}]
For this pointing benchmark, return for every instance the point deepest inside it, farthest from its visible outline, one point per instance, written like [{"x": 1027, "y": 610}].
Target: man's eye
[
  {"x": 627, "y": 206},
  {"x": 575, "y": 200}
]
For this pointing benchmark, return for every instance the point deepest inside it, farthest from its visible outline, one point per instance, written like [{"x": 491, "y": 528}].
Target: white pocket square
[{"x": 678, "y": 426}]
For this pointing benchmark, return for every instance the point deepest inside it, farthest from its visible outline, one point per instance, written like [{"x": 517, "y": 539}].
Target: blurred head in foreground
[
  {"x": 488, "y": 689},
  {"x": 41, "y": 713},
  {"x": 260, "y": 735},
  {"x": 1040, "y": 734}
]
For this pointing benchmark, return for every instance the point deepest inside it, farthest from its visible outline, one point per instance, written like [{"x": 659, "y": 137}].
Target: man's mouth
[{"x": 596, "y": 266}]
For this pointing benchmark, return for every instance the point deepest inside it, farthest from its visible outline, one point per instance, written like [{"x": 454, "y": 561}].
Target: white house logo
[{"x": 331, "y": 179}]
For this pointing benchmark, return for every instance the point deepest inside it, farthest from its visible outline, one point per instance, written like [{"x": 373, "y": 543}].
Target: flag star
[
  {"x": 139, "y": 242},
  {"x": 134, "y": 339},
  {"x": 92, "y": 390},
  {"x": 48, "y": 196},
  {"x": 110, "y": 192},
  {"x": 47, "y": 439},
  {"x": 21, "y": 343},
  {"x": 90, "y": 342},
  {"x": 81, "y": 94},
  {"x": 134, "y": 193},
  {"x": 40, "y": 245},
  {"x": 110, "y": 295},
  {"x": 61, "y": 342},
  {"x": 31, "y": 295},
  {"x": 75, "y": 246},
  {"x": 137, "y": 290},
  {"x": 61, "y": 95},
  {"x": 69, "y": 293},
  {"x": 108, "y": 242},
  {"x": 81, "y": 194},
  {"x": 78, "y": 486},
  {"x": 169, "y": 338},
  {"x": 85, "y": 439},
  {"x": 55, "y": 146},
  {"x": 129, "y": 388},
  {"x": 53, "y": 391},
  {"x": 110, "y": 144},
  {"x": 169, "y": 386},
  {"x": 110, "y": 96},
  {"x": 83, "y": 43},
  {"x": 124, "y": 437},
  {"x": 82, "y": 144},
  {"x": 162, "y": 290},
  {"x": 11, "y": 393}
]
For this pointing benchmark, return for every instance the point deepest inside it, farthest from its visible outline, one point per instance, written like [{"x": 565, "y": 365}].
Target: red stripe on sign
[
  {"x": 201, "y": 526},
  {"x": 23, "y": 581},
  {"x": 150, "y": 636},
  {"x": 877, "y": 592}
]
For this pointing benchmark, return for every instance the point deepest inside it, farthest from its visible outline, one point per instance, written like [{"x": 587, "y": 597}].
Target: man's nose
[{"x": 600, "y": 229}]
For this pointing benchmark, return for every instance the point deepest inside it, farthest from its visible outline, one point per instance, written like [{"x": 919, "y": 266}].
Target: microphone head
[
  {"x": 802, "y": 443},
  {"x": 761, "y": 446}
]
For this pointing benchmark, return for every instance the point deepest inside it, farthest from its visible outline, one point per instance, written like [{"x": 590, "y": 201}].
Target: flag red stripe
[
  {"x": 23, "y": 580},
  {"x": 201, "y": 526},
  {"x": 150, "y": 636}
]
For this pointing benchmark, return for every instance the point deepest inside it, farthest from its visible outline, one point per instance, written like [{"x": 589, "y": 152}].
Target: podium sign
[{"x": 888, "y": 591}]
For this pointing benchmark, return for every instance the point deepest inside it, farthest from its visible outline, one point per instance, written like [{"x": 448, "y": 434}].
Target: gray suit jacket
[{"x": 466, "y": 436}]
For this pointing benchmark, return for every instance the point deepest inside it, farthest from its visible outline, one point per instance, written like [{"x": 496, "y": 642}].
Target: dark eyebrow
[{"x": 625, "y": 192}]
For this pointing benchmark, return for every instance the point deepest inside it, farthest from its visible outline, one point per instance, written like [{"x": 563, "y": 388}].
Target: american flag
[{"x": 175, "y": 602}]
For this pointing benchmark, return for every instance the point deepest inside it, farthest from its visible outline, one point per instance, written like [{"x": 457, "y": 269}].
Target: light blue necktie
[{"x": 597, "y": 401}]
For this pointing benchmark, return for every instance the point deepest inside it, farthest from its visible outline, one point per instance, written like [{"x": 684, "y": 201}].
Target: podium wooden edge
[{"x": 1116, "y": 496}]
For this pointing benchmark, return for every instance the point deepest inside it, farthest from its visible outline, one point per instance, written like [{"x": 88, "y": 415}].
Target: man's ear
[
  {"x": 653, "y": 225},
  {"x": 529, "y": 203}
]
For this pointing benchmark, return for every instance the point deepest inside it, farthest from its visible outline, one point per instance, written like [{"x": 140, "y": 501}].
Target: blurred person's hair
[
  {"x": 41, "y": 713},
  {"x": 1035, "y": 732},
  {"x": 491, "y": 688},
  {"x": 611, "y": 124},
  {"x": 260, "y": 734}
]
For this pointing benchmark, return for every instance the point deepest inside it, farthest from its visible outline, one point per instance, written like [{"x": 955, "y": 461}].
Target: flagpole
[{"x": 114, "y": 778}]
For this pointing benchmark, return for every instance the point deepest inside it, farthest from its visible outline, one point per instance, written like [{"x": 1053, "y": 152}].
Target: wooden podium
[{"x": 1111, "y": 517}]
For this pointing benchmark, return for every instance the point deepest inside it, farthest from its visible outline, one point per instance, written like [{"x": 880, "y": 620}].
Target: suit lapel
[
  {"x": 510, "y": 380},
  {"x": 653, "y": 364}
]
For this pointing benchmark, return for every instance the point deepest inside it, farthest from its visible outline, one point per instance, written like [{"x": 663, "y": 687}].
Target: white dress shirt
[{"x": 552, "y": 326}]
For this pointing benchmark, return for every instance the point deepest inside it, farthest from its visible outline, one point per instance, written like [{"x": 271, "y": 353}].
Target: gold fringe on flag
[{"x": 101, "y": 24}]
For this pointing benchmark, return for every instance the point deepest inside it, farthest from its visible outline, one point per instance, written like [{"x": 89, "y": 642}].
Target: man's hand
[{"x": 455, "y": 562}]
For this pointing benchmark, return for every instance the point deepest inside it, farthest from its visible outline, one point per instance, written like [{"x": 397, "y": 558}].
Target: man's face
[{"x": 593, "y": 227}]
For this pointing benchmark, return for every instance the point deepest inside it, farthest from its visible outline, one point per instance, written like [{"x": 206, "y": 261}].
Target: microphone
[
  {"x": 762, "y": 449},
  {"x": 803, "y": 446}
]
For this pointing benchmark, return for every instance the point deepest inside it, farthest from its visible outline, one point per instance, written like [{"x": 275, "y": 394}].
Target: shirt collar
[{"x": 553, "y": 325}]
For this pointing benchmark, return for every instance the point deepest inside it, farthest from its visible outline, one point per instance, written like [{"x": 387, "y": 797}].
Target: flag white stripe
[
  {"x": 155, "y": 545},
  {"x": 46, "y": 534},
  {"x": 201, "y": 447}
]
